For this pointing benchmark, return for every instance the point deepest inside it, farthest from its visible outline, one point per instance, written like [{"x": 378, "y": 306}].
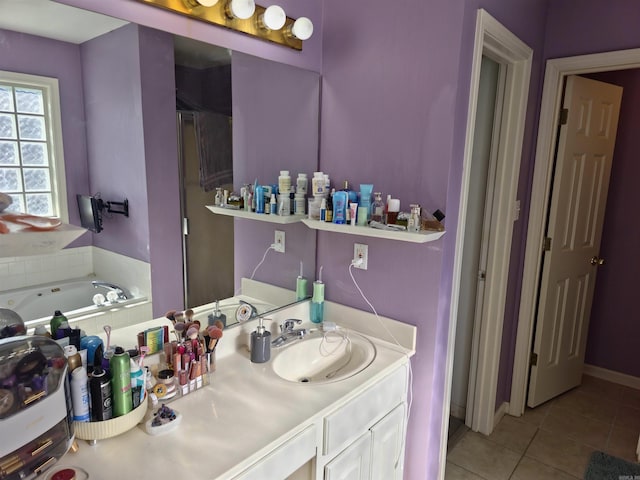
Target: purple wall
[
  {"x": 24, "y": 53},
  {"x": 614, "y": 332},
  {"x": 565, "y": 35},
  {"x": 138, "y": 12},
  {"x": 275, "y": 127},
  {"x": 113, "y": 105},
  {"x": 395, "y": 99},
  {"x": 390, "y": 82},
  {"x": 131, "y": 133}
]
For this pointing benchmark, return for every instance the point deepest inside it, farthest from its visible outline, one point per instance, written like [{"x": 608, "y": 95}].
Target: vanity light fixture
[
  {"x": 198, "y": 3},
  {"x": 273, "y": 18},
  {"x": 244, "y": 16},
  {"x": 301, "y": 29},
  {"x": 242, "y": 9}
]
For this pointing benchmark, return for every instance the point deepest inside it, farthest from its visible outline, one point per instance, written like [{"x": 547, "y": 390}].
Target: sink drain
[{"x": 304, "y": 380}]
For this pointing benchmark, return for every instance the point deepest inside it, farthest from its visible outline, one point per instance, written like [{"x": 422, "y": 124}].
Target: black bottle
[{"x": 328, "y": 216}]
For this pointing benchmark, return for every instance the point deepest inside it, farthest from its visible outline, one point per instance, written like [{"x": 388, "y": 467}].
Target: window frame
[{"x": 53, "y": 119}]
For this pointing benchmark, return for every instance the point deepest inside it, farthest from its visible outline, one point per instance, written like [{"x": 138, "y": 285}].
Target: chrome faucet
[
  {"x": 123, "y": 294},
  {"x": 289, "y": 332}
]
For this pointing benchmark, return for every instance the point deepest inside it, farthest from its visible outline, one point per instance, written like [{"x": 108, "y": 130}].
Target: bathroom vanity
[{"x": 251, "y": 423}]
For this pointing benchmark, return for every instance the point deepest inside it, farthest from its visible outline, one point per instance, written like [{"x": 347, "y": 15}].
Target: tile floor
[{"x": 553, "y": 441}]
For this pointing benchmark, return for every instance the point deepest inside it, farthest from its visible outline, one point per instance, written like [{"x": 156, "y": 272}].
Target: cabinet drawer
[
  {"x": 285, "y": 459},
  {"x": 363, "y": 411}
]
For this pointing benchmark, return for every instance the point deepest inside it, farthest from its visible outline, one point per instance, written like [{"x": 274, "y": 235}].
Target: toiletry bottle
[
  {"x": 317, "y": 184},
  {"x": 323, "y": 210},
  {"x": 217, "y": 315},
  {"x": 273, "y": 205},
  {"x": 301, "y": 184},
  {"x": 218, "y": 197},
  {"x": 301, "y": 285},
  {"x": 317, "y": 301},
  {"x": 100, "y": 393},
  {"x": 328, "y": 217},
  {"x": 340, "y": 207},
  {"x": 284, "y": 182},
  {"x": 299, "y": 204},
  {"x": 136, "y": 376},
  {"x": 377, "y": 208},
  {"x": 57, "y": 320},
  {"x": 259, "y": 196},
  {"x": 260, "y": 344},
  {"x": 121, "y": 382},
  {"x": 80, "y": 395}
]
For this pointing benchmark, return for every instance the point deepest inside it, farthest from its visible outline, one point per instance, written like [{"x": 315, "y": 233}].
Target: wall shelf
[
  {"x": 417, "y": 237},
  {"x": 281, "y": 219},
  {"x": 24, "y": 242}
]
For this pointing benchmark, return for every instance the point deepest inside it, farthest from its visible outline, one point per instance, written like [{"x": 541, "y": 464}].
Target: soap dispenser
[
  {"x": 260, "y": 344},
  {"x": 217, "y": 315}
]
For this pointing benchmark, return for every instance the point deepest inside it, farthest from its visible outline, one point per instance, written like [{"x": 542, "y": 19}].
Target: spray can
[
  {"x": 57, "y": 320},
  {"x": 101, "y": 398},
  {"x": 121, "y": 382},
  {"x": 80, "y": 395}
]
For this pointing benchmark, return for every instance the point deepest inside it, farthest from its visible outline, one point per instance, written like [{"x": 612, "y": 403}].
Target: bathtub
[{"x": 74, "y": 298}]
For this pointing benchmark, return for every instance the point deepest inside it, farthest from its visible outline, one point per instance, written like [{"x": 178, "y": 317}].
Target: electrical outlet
[
  {"x": 361, "y": 252},
  {"x": 279, "y": 241}
]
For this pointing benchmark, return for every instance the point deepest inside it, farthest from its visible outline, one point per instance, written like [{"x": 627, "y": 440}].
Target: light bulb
[
  {"x": 274, "y": 17},
  {"x": 302, "y": 28},
  {"x": 241, "y": 9}
]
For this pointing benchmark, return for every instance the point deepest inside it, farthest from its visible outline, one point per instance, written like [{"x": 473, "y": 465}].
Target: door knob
[{"x": 597, "y": 261}]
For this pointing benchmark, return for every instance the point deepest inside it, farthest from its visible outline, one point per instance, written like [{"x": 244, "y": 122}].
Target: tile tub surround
[
  {"x": 219, "y": 421},
  {"x": 556, "y": 439},
  {"x": 67, "y": 264}
]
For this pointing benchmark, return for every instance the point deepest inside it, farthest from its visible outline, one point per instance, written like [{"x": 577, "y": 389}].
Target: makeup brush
[
  {"x": 215, "y": 334},
  {"x": 171, "y": 315}
]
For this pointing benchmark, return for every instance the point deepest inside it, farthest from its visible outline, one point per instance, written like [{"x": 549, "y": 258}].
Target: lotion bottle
[
  {"x": 260, "y": 344},
  {"x": 317, "y": 301}
]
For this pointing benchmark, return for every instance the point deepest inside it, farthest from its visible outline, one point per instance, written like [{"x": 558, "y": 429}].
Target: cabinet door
[
  {"x": 387, "y": 446},
  {"x": 353, "y": 463}
]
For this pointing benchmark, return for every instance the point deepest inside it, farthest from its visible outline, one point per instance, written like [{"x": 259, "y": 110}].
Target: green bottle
[
  {"x": 120, "y": 368},
  {"x": 57, "y": 320}
]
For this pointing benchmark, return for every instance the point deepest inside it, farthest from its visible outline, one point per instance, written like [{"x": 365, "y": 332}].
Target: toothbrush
[{"x": 107, "y": 330}]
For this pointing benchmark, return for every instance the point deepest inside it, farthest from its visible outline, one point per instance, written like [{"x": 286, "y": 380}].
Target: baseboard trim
[
  {"x": 502, "y": 410},
  {"x": 611, "y": 376}
]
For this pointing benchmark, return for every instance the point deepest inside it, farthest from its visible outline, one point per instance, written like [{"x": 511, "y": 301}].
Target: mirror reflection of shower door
[{"x": 207, "y": 241}]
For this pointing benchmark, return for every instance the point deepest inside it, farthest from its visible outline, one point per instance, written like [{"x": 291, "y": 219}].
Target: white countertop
[{"x": 245, "y": 412}]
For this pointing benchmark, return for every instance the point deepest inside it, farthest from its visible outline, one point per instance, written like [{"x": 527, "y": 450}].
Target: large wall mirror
[{"x": 138, "y": 107}]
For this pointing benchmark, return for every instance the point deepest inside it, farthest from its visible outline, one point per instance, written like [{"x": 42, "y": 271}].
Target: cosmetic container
[
  {"x": 393, "y": 208},
  {"x": 260, "y": 344},
  {"x": 259, "y": 196},
  {"x": 365, "y": 195},
  {"x": 100, "y": 390},
  {"x": 377, "y": 208},
  {"x": 413, "y": 225},
  {"x": 273, "y": 205},
  {"x": 340, "y": 200},
  {"x": 298, "y": 204},
  {"x": 323, "y": 210},
  {"x": 353, "y": 213},
  {"x": 329, "y": 213},
  {"x": 121, "y": 382},
  {"x": 284, "y": 204},
  {"x": 80, "y": 395}
]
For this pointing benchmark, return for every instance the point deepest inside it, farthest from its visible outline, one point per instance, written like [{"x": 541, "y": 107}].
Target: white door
[{"x": 576, "y": 215}]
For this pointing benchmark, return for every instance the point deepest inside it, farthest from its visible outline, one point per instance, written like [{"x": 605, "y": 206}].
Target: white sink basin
[{"x": 320, "y": 358}]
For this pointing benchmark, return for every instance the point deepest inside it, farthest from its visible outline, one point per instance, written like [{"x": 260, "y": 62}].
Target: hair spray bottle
[{"x": 121, "y": 382}]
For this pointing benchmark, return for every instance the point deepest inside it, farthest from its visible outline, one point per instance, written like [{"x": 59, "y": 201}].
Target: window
[{"x": 31, "y": 161}]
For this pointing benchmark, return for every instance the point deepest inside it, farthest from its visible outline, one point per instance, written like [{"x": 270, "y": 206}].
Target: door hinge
[
  {"x": 564, "y": 116},
  {"x": 546, "y": 244},
  {"x": 534, "y": 359},
  {"x": 185, "y": 226}
]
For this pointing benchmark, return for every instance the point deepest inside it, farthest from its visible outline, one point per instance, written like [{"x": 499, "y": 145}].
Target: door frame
[
  {"x": 493, "y": 39},
  {"x": 553, "y": 87}
]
